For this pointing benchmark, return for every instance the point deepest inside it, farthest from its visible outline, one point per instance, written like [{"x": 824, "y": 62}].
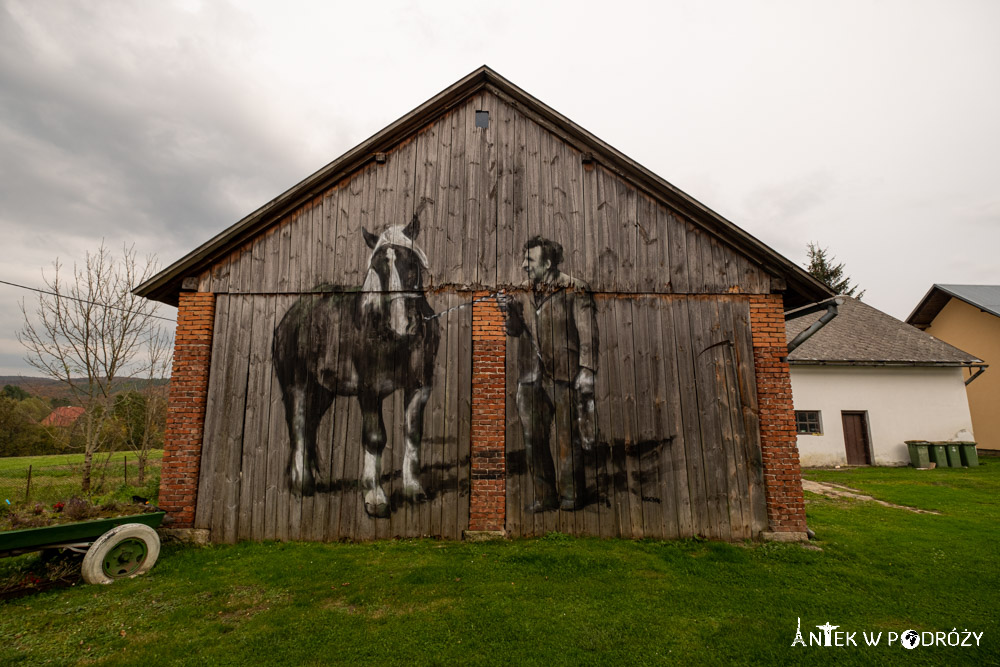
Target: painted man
[{"x": 557, "y": 355}]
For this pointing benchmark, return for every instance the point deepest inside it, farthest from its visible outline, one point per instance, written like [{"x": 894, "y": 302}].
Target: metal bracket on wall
[{"x": 982, "y": 369}]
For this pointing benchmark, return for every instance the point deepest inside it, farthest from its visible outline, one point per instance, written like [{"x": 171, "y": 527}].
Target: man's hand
[
  {"x": 584, "y": 381},
  {"x": 503, "y": 301}
]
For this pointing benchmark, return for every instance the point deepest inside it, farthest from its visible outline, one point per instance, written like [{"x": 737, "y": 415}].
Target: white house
[{"x": 866, "y": 382}]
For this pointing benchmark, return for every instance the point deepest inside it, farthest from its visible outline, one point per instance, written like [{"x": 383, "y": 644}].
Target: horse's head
[{"x": 395, "y": 278}]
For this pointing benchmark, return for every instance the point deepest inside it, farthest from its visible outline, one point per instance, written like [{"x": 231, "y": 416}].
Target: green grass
[
  {"x": 555, "y": 600},
  {"x": 55, "y": 478},
  {"x": 18, "y": 464}
]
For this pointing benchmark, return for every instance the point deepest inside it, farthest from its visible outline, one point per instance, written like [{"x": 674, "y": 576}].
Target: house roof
[
  {"x": 864, "y": 336},
  {"x": 63, "y": 416},
  {"x": 984, "y": 297},
  {"x": 802, "y": 288}
]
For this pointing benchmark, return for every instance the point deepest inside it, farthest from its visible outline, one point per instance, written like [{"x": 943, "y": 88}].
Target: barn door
[
  {"x": 675, "y": 448},
  {"x": 244, "y": 491},
  {"x": 856, "y": 438}
]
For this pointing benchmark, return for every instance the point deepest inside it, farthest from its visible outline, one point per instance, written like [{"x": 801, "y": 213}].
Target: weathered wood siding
[
  {"x": 243, "y": 492},
  {"x": 678, "y": 450},
  {"x": 486, "y": 192}
]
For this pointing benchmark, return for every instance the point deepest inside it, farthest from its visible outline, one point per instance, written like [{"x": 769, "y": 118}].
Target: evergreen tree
[
  {"x": 15, "y": 392},
  {"x": 823, "y": 267}
]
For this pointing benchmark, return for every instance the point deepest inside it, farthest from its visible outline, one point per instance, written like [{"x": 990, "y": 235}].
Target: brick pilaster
[
  {"x": 488, "y": 493},
  {"x": 186, "y": 407},
  {"x": 786, "y": 510}
]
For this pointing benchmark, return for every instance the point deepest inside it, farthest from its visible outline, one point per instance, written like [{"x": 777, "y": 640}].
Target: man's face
[{"x": 534, "y": 265}]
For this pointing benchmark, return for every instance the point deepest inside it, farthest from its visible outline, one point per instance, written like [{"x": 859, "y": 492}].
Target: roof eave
[
  {"x": 921, "y": 318},
  {"x": 161, "y": 286},
  {"x": 865, "y": 362},
  {"x": 165, "y": 285}
]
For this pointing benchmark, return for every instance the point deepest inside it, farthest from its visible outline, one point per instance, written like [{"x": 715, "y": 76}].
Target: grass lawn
[
  {"x": 557, "y": 600},
  {"x": 57, "y": 477},
  {"x": 10, "y": 464}
]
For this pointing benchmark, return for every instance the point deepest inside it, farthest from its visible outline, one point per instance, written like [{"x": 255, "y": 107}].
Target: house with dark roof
[
  {"x": 968, "y": 316},
  {"x": 866, "y": 383}
]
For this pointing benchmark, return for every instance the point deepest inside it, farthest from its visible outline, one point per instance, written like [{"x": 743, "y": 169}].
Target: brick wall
[
  {"x": 782, "y": 477},
  {"x": 186, "y": 407},
  {"x": 487, "y": 509}
]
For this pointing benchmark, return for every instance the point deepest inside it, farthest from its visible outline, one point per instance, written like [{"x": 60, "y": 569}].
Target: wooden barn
[{"x": 482, "y": 319}]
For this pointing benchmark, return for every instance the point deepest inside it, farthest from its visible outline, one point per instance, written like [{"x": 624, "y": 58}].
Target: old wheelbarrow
[{"x": 117, "y": 548}]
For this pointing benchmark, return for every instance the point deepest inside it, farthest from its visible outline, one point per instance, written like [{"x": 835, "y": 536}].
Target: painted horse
[{"x": 366, "y": 344}]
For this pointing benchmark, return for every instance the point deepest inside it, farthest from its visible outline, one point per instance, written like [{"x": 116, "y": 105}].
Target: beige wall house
[
  {"x": 968, "y": 316},
  {"x": 866, "y": 383}
]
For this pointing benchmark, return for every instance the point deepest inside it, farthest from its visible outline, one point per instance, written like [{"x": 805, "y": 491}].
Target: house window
[{"x": 807, "y": 422}]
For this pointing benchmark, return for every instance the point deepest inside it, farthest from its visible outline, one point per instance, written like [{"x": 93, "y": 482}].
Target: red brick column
[
  {"x": 786, "y": 512},
  {"x": 489, "y": 468},
  {"x": 186, "y": 407}
]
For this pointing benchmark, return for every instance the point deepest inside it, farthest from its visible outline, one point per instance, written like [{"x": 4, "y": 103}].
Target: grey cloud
[{"x": 130, "y": 145}]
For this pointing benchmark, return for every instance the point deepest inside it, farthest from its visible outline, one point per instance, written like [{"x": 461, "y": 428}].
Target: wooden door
[
  {"x": 676, "y": 448},
  {"x": 856, "y": 438},
  {"x": 245, "y": 491}
]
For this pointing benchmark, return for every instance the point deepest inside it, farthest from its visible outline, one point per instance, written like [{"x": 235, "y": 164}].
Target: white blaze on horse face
[
  {"x": 372, "y": 290},
  {"x": 397, "y": 302}
]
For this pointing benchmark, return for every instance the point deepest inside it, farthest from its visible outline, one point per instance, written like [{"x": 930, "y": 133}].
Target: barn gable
[
  {"x": 499, "y": 172},
  {"x": 325, "y": 388}
]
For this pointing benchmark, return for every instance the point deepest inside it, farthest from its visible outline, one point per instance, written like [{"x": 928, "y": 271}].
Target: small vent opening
[{"x": 483, "y": 119}]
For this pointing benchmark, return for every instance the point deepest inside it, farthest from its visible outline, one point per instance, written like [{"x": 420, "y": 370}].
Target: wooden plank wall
[
  {"x": 483, "y": 194},
  {"x": 243, "y": 492},
  {"x": 677, "y": 451},
  {"x": 678, "y": 448}
]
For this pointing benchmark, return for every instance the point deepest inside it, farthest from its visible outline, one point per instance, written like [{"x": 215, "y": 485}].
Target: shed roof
[
  {"x": 984, "y": 297},
  {"x": 864, "y": 336},
  {"x": 802, "y": 288},
  {"x": 63, "y": 416}
]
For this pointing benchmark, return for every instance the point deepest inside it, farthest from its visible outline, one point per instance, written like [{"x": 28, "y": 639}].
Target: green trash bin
[
  {"x": 919, "y": 456},
  {"x": 954, "y": 456},
  {"x": 939, "y": 455},
  {"x": 969, "y": 456}
]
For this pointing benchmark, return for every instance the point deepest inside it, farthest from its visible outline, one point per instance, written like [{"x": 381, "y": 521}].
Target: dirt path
[{"x": 837, "y": 491}]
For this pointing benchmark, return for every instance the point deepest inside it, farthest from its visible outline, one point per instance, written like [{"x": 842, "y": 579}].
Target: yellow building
[{"x": 968, "y": 317}]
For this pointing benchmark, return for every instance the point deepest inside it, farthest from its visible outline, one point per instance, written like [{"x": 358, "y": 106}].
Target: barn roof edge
[{"x": 166, "y": 285}]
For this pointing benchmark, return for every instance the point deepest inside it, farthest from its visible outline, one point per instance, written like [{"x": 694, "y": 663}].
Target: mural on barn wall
[
  {"x": 630, "y": 397},
  {"x": 391, "y": 336},
  {"x": 555, "y": 325}
]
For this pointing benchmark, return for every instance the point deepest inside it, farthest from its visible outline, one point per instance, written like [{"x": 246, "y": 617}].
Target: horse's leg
[
  {"x": 416, "y": 399},
  {"x": 373, "y": 439},
  {"x": 303, "y": 409}
]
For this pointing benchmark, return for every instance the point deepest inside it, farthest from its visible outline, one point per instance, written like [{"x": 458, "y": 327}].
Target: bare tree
[
  {"x": 142, "y": 412},
  {"x": 91, "y": 331}
]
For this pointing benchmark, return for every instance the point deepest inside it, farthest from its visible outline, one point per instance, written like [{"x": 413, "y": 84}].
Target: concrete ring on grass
[{"x": 123, "y": 552}]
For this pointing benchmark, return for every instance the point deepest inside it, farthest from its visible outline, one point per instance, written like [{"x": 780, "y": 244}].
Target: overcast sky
[{"x": 872, "y": 128}]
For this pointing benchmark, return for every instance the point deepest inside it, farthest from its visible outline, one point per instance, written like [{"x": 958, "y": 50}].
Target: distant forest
[
  {"x": 59, "y": 394},
  {"x": 135, "y": 417}
]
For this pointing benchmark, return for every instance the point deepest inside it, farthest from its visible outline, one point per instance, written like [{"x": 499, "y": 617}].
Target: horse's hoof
[
  {"x": 304, "y": 487},
  {"x": 415, "y": 493},
  {"x": 376, "y": 503},
  {"x": 377, "y": 510}
]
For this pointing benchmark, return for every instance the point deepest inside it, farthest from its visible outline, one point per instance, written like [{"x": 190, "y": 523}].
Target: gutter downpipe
[
  {"x": 982, "y": 369},
  {"x": 831, "y": 312}
]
